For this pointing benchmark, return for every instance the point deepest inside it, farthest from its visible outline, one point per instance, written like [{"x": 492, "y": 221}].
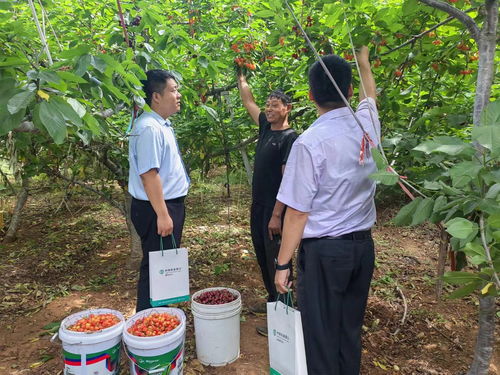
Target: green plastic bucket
[
  {"x": 162, "y": 354},
  {"x": 95, "y": 353}
]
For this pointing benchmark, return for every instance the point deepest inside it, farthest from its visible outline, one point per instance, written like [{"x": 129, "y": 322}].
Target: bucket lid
[
  {"x": 86, "y": 338},
  {"x": 154, "y": 341}
]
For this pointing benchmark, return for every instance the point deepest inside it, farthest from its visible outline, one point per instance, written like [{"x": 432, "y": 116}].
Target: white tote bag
[
  {"x": 287, "y": 354},
  {"x": 168, "y": 276}
]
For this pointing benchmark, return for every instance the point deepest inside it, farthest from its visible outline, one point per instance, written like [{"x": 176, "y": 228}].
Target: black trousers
[
  {"x": 144, "y": 219},
  {"x": 266, "y": 249},
  {"x": 333, "y": 281}
]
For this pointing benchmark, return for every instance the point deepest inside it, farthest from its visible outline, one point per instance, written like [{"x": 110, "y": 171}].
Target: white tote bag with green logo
[
  {"x": 168, "y": 276},
  {"x": 287, "y": 354}
]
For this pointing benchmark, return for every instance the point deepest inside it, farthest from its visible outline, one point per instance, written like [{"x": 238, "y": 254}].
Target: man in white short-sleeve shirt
[
  {"x": 331, "y": 210},
  {"x": 158, "y": 181}
]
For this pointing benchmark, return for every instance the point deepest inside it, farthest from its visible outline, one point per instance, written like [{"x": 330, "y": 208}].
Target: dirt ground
[{"x": 73, "y": 256}]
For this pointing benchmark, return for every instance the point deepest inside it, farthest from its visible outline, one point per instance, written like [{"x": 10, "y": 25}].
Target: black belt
[
  {"x": 360, "y": 235},
  {"x": 175, "y": 200}
]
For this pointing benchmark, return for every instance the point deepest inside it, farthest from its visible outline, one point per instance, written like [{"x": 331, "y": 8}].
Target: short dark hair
[
  {"x": 324, "y": 92},
  {"x": 279, "y": 94},
  {"x": 156, "y": 82}
]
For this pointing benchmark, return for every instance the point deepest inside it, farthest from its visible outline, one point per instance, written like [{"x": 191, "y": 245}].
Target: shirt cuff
[
  {"x": 289, "y": 202},
  {"x": 143, "y": 170}
]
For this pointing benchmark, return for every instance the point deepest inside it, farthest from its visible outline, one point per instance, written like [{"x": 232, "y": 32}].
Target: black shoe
[
  {"x": 262, "y": 330},
  {"x": 258, "y": 309}
]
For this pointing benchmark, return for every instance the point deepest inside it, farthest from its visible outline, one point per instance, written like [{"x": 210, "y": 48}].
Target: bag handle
[
  {"x": 287, "y": 299},
  {"x": 173, "y": 243}
]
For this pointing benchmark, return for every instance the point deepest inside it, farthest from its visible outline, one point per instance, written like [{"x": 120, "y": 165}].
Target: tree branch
[
  {"x": 458, "y": 14},
  {"x": 26, "y": 127},
  {"x": 114, "y": 203},
  {"x": 219, "y": 90},
  {"x": 234, "y": 148},
  {"x": 487, "y": 250},
  {"x": 110, "y": 112},
  {"x": 299, "y": 113},
  {"x": 412, "y": 40},
  {"x": 6, "y": 179}
]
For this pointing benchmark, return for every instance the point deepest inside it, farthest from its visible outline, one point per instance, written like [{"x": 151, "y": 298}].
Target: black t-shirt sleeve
[
  {"x": 287, "y": 145},
  {"x": 263, "y": 123}
]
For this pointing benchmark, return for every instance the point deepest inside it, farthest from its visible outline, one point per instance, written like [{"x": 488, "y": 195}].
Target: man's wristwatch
[{"x": 281, "y": 267}]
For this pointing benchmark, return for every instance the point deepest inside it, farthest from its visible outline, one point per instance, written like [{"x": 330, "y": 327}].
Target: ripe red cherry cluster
[
  {"x": 94, "y": 323},
  {"x": 154, "y": 325},
  {"x": 215, "y": 297}
]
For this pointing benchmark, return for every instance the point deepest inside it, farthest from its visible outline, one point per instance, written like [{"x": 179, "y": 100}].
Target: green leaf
[
  {"x": 53, "y": 327},
  {"x": 410, "y": 7},
  {"x": 405, "y": 215},
  {"x": 98, "y": 63},
  {"x": 439, "y": 203},
  {"x": 491, "y": 114},
  {"x": 133, "y": 79},
  {"x": 48, "y": 76},
  {"x": 50, "y": 117},
  {"x": 423, "y": 211},
  {"x": 5, "y": 5},
  {"x": 447, "y": 145},
  {"x": 212, "y": 112},
  {"x": 493, "y": 191},
  {"x": 82, "y": 65},
  {"x": 385, "y": 177},
  {"x": 450, "y": 190},
  {"x": 20, "y": 101},
  {"x": 14, "y": 61},
  {"x": 68, "y": 76},
  {"x": 9, "y": 122},
  {"x": 466, "y": 290},
  {"x": 487, "y": 136},
  {"x": 461, "y": 228},
  {"x": 203, "y": 61},
  {"x": 464, "y": 172},
  {"x": 494, "y": 220},
  {"x": 67, "y": 111},
  {"x": 77, "y": 106},
  {"x": 460, "y": 278},
  {"x": 265, "y": 13},
  {"x": 77, "y": 51},
  {"x": 476, "y": 253},
  {"x": 116, "y": 91},
  {"x": 92, "y": 124},
  {"x": 379, "y": 159},
  {"x": 432, "y": 185}
]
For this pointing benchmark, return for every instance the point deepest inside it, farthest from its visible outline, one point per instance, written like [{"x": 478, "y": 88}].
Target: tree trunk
[
  {"x": 443, "y": 252},
  {"x": 487, "y": 45},
  {"x": 486, "y": 42},
  {"x": 246, "y": 162},
  {"x": 485, "y": 337},
  {"x": 135, "y": 241},
  {"x": 22, "y": 197},
  {"x": 486, "y": 66}
]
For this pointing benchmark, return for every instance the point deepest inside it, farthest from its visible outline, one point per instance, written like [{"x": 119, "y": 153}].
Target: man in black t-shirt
[{"x": 274, "y": 144}]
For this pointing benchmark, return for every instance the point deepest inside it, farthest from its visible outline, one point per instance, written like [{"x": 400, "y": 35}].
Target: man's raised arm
[
  {"x": 368, "y": 88},
  {"x": 247, "y": 99}
]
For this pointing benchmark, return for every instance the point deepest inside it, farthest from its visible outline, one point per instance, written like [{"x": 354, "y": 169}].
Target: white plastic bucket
[
  {"x": 95, "y": 353},
  {"x": 163, "y": 354},
  {"x": 217, "y": 329}
]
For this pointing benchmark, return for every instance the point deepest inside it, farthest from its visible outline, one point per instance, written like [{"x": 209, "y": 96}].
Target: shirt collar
[
  {"x": 160, "y": 119},
  {"x": 330, "y": 115}
]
